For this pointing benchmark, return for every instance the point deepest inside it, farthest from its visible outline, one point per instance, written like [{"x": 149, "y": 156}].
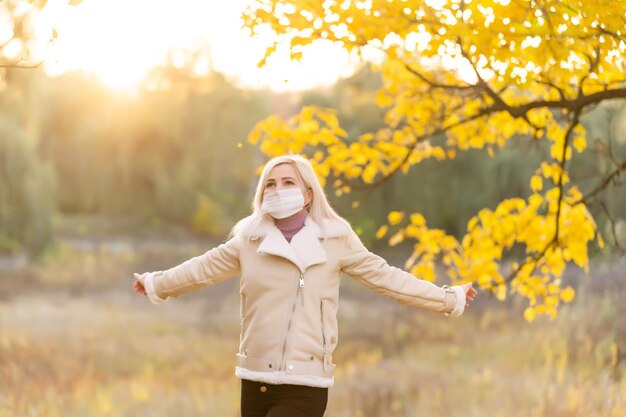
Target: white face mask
[{"x": 283, "y": 203}]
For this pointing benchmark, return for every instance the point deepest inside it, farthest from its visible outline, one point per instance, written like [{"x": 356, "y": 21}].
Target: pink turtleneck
[{"x": 291, "y": 225}]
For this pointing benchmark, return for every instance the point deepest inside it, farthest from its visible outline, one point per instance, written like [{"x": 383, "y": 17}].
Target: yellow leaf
[
  {"x": 418, "y": 220},
  {"x": 448, "y": 243},
  {"x": 535, "y": 200},
  {"x": 472, "y": 223},
  {"x": 529, "y": 314},
  {"x": 567, "y": 295},
  {"x": 553, "y": 288},
  {"x": 382, "y": 231},
  {"x": 580, "y": 143},
  {"x": 395, "y": 217},
  {"x": 366, "y": 137},
  {"x": 536, "y": 183},
  {"x": 600, "y": 241},
  {"x": 439, "y": 153},
  {"x": 546, "y": 169},
  {"x": 412, "y": 231},
  {"x": 369, "y": 173}
]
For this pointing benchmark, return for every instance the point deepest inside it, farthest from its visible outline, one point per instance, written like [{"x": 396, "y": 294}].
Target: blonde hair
[{"x": 319, "y": 209}]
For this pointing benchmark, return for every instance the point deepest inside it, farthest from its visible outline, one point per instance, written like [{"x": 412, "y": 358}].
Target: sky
[{"x": 120, "y": 40}]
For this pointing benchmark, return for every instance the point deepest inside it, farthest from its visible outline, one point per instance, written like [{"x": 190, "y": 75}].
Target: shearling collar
[
  {"x": 305, "y": 249},
  {"x": 328, "y": 230}
]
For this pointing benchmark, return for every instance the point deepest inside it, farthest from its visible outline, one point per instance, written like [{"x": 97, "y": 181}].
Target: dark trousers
[{"x": 259, "y": 399}]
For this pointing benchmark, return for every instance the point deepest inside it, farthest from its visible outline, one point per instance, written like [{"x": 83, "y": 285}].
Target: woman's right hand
[{"x": 138, "y": 284}]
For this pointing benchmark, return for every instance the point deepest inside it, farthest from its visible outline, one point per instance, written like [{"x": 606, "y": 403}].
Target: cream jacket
[{"x": 290, "y": 295}]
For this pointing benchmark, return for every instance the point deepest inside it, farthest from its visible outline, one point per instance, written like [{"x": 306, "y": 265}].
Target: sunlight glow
[{"x": 121, "y": 40}]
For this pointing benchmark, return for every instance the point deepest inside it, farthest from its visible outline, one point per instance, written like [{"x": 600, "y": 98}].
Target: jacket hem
[{"x": 281, "y": 377}]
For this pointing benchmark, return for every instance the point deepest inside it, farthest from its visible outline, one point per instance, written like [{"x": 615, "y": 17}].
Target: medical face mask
[{"x": 283, "y": 203}]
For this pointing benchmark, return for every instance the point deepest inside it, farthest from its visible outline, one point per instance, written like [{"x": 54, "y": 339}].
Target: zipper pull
[{"x": 302, "y": 290}]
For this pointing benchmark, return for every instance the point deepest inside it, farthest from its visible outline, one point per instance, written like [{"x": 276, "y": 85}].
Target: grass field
[{"x": 75, "y": 341}]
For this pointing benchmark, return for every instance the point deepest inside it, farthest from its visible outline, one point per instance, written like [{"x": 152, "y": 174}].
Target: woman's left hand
[
  {"x": 138, "y": 284},
  {"x": 470, "y": 293}
]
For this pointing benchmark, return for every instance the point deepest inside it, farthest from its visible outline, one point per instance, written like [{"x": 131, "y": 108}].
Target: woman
[{"x": 290, "y": 253}]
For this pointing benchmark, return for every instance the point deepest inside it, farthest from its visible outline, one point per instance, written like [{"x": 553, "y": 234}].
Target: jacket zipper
[
  {"x": 301, "y": 289},
  {"x": 299, "y": 293}
]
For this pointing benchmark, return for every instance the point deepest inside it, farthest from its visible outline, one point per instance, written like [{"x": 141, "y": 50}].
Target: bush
[{"x": 26, "y": 192}]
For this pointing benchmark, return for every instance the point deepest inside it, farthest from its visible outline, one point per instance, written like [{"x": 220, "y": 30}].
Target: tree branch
[
  {"x": 575, "y": 121},
  {"x": 607, "y": 213},
  {"x": 570, "y": 104},
  {"x": 557, "y": 88},
  {"x": 534, "y": 261},
  {"x": 575, "y": 105},
  {"x": 593, "y": 65},
  {"x": 602, "y": 184},
  {"x": 437, "y": 85},
  {"x": 612, "y": 34}
]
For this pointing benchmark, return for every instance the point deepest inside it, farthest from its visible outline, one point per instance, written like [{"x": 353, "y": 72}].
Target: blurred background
[{"x": 123, "y": 148}]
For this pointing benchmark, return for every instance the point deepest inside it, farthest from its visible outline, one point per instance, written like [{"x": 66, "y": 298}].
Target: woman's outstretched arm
[
  {"x": 375, "y": 273},
  {"x": 216, "y": 265}
]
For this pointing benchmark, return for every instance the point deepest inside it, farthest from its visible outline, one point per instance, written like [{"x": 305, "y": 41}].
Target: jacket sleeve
[
  {"x": 375, "y": 273},
  {"x": 216, "y": 265}
]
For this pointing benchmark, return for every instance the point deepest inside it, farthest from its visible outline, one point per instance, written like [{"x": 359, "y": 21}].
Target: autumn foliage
[{"x": 460, "y": 75}]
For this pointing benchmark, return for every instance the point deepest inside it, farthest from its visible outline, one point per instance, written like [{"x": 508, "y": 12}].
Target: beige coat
[{"x": 290, "y": 295}]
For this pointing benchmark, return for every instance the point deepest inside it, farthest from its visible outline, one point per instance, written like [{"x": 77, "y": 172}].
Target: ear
[{"x": 308, "y": 196}]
